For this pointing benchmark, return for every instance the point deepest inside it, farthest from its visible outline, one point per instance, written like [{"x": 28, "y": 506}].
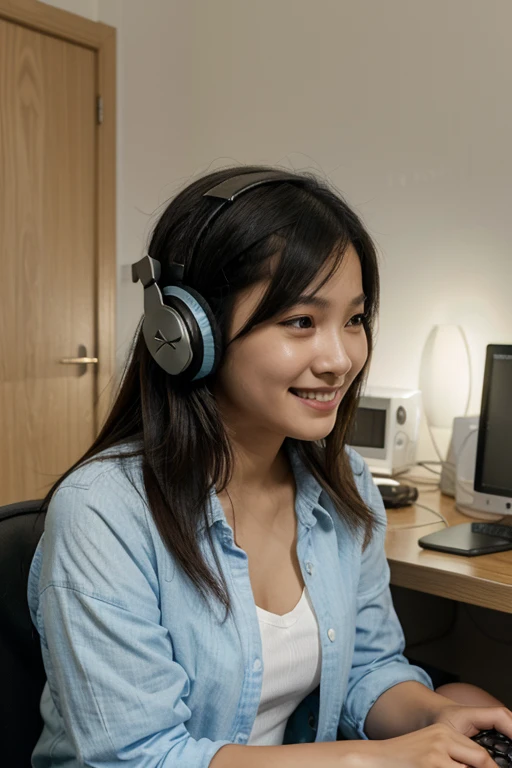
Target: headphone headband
[
  {"x": 229, "y": 189},
  {"x": 148, "y": 270}
]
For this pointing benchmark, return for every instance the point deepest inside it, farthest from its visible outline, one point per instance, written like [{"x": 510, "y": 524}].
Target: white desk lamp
[
  {"x": 445, "y": 383},
  {"x": 445, "y": 376}
]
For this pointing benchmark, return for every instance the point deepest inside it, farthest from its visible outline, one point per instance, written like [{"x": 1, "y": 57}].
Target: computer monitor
[{"x": 493, "y": 467}]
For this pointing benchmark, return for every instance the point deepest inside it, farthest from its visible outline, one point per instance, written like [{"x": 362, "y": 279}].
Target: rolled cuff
[
  {"x": 370, "y": 688},
  {"x": 197, "y": 753}
]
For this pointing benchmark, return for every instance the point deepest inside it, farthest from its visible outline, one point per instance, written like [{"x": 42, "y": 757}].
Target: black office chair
[{"x": 22, "y": 675}]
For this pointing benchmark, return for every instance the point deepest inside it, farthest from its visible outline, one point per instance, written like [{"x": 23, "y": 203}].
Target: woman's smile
[{"x": 320, "y": 401}]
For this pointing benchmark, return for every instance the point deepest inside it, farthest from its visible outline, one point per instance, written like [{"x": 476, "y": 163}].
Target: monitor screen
[
  {"x": 370, "y": 428},
  {"x": 493, "y": 470}
]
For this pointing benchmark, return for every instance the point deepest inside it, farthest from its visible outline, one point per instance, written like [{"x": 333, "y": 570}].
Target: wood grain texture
[
  {"x": 56, "y": 22},
  {"x": 29, "y": 362},
  {"x": 48, "y": 254},
  {"x": 485, "y": 580},
  {"x": 106, "y": 274}
]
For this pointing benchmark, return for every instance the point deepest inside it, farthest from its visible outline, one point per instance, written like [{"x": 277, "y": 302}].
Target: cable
[
  {"x": 444, "y": 633},
  {"x": 437, "y": 514},
  {"x": 450, "y": 467},
  {"x": 422, "y": 525},
  {"x": 455, "y": 613},
  {"x": 424, "y": 486},
  {"x": 483, "y": 631},
  {"x": 429, "y": 469},
  {"x": 408, "y": 480},
  {"x": 427, "y": 485}
]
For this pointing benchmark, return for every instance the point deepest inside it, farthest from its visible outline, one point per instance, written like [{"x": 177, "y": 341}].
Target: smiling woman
[
  {"x": 315, "y": 364},
  {"x": 218, "y": 553}
]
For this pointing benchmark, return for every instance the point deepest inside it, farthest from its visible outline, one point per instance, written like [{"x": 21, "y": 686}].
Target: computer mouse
[{"x": 395, "y": 494}]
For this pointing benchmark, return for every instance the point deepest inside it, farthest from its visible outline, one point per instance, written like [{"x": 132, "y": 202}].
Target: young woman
[{"x": 218, "y": 554}]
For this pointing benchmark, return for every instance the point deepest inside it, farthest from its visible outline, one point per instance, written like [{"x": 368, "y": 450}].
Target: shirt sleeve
[
  {"x": 378, "y": 662},
  {"x": 110, "y": 664}
]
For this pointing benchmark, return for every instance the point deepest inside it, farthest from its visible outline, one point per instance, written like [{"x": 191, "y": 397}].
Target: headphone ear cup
[{"x": 202, "y": 326}]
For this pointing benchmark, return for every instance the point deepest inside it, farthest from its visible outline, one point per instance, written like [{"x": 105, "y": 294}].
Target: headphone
[{"x": 181, "y": 334}]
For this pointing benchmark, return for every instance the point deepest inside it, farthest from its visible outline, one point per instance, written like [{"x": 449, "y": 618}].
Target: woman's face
[{"x": 315, "y": 349}]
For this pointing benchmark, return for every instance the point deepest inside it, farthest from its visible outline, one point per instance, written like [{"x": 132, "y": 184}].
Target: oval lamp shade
[{"x": 445, "y": 375}]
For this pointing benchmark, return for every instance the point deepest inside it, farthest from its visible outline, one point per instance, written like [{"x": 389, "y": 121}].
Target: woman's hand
[
  {"x": 470, "y": 720},
  {"x": 436, "y": 746}
]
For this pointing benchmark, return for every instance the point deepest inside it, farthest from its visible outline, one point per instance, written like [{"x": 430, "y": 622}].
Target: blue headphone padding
[{"x": 204, "y": 327}]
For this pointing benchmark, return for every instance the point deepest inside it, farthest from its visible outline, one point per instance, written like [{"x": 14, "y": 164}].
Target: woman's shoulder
[
  {"x": 105, "y": 490},
  {"x": 97, "y": 529},
  {"x": 120, "y": 464}
]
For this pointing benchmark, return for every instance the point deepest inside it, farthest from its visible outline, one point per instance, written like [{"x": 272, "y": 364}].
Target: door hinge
[{"x": 99, "y": 110}]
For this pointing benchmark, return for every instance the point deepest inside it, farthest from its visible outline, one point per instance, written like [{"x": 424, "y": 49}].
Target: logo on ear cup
[
  {"x": 159, "y": 336},
  {"x": 168, "y": 339}
]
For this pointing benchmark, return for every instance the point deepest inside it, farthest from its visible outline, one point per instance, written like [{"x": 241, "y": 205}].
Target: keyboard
[
  {"x": 498, "y": 746},
  {"x": 493, "y": 529}
]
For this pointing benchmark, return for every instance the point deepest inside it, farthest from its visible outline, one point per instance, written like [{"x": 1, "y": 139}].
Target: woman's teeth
[{"x": 323, "y": 397}]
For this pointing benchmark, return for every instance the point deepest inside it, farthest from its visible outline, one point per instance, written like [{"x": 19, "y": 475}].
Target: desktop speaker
[
  {"x": 463, "y": 426},
  {"x": 480, "y": 505}
]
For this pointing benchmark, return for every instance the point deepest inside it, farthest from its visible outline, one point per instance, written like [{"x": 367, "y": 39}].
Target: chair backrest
[{"x": 22, "y": 675}]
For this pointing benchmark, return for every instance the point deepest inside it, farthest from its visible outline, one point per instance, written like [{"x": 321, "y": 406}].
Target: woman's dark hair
[{"x": 175, "y": 428}]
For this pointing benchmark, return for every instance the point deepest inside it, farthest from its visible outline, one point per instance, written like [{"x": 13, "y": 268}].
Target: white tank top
[{"x": 291, "y": 668}]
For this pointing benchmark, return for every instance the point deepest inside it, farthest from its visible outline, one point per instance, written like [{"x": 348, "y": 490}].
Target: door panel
[{"x": 47, "y": 257}]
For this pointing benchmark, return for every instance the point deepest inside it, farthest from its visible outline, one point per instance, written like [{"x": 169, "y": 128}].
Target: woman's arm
[
  {"x": 329, "y": 754},
  {"x": 409, "y": 706},
  {"x": 404, "y": 708},
  {"x": 431, "y": 747},
  {"x": 378, "y": 663}
]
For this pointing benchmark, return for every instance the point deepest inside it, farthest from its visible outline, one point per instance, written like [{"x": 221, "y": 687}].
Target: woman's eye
[
  {"x": 357, "y": 320},
  {"x": 304, "y": 322}
]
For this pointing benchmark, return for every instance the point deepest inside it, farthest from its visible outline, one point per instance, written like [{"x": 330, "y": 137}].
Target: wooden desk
[{"x": 485, "y": 580}]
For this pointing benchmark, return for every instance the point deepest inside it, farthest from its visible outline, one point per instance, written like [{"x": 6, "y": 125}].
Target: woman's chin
[{"x": 311, "y": 434}]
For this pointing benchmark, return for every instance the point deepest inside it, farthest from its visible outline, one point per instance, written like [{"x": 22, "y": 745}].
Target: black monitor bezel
[{"x": 479, "y": 485}]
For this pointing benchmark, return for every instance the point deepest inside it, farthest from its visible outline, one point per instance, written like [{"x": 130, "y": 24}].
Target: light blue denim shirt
[{"x": 142, "y": 674}]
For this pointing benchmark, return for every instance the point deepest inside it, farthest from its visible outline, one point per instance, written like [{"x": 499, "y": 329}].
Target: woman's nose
[{"x": 333, "y": 358}]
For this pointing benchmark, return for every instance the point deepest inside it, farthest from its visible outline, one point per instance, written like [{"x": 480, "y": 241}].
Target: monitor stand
[{"x": 471, "y": 539}]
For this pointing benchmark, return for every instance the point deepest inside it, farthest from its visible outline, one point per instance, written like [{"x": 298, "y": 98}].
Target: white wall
[
  {"x": 87, "y": 8},
  {"x": 404, "y": 104}
]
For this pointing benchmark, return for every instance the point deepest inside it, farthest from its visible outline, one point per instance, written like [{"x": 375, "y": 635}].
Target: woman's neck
[{"x": 255, "y": 471}]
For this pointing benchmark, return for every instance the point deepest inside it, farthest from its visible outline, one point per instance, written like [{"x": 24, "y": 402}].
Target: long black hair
[{"x": 176, "y": 429}]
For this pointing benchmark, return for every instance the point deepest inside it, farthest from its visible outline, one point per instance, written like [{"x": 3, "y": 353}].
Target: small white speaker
[
  {"x": 467, "y": 500},
  {"x": 463, "y": 427}
]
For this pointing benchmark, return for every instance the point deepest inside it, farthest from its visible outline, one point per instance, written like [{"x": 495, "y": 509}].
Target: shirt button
[
  {"x": 309, "y": 568},
  {"x": 241, "y": 737},
  {"x": 331, "y": 634},
  {"x": 257, "y": 665}
]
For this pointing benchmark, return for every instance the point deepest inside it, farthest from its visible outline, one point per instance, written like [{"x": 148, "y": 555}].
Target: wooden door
[{"x": 47, "y": 257}]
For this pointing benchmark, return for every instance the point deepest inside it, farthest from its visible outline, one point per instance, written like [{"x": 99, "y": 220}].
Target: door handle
[
  {"x": 79, "y": 360},
  {"x": 82, "y": 360}
]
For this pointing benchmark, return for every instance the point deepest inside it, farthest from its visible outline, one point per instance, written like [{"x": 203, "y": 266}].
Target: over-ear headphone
[{"x": 181, "y": 334}]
